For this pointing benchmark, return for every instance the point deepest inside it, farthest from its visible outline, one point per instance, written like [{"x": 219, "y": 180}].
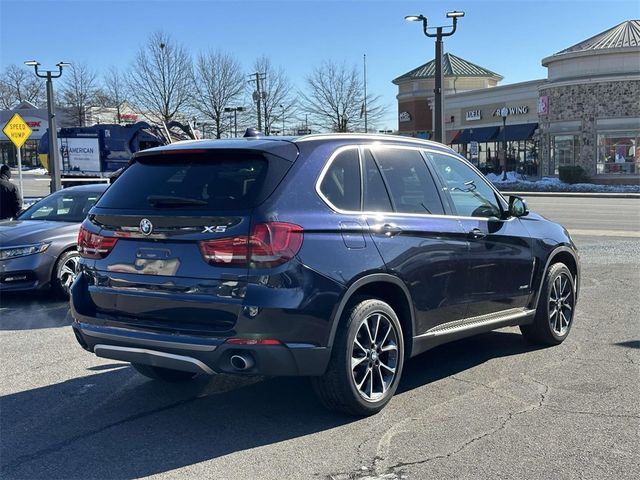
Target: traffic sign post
[{"x": 18, "y": 132}]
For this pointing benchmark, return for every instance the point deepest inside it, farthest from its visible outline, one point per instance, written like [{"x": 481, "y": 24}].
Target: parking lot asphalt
[{"x": 491, "y": 406}]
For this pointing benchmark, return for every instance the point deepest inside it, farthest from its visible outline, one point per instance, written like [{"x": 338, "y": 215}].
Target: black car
[{"x": 331, "y": 256}]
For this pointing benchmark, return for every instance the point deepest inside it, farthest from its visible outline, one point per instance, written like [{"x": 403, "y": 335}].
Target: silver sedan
[{"x": 38, "y": 249}]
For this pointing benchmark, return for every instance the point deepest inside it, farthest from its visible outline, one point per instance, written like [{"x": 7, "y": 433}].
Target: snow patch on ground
[
  {"x": 515, "y": 183},
  {"x": 38, "y": 171}
]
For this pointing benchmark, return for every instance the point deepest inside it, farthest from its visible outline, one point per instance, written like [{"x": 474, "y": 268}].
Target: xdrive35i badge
[{"x": 146, "y": 227}]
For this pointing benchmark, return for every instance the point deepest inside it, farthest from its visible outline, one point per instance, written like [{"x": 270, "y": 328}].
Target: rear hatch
[{"x": 166, "y": 246}]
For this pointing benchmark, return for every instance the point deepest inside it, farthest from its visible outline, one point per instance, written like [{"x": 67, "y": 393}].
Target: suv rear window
[{"x": 218, "y": 180}]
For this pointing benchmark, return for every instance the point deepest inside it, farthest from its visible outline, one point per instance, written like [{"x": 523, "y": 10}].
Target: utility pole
[
  {"x": 366, "y": 126},
  {"x": 258, "y": 96}
]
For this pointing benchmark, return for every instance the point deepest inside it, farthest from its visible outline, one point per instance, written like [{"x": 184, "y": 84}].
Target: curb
[{"x": 575, "y": 194}]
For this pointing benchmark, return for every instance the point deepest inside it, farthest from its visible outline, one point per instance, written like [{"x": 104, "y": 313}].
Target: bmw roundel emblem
[{"x": 146, "y": 226}]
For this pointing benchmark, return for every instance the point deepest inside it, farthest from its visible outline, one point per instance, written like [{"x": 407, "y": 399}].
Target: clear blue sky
[{"x": 509, "y": 37}]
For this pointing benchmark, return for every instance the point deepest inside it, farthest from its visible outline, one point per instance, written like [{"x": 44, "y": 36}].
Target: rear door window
[
  {"x": 408, "y": 180},
  {"x": 376, "y": 198},
  {"x": 218, "y": 180}
]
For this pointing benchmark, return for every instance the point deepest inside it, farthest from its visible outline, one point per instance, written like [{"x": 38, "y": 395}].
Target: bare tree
[
  {"x": 114, "y": 92},
  {"x": 19, "y": 85},
  {"x": 334, "y": 99},
  {"x": 79, "y": 91},
  {"x": 278, "y": 100},
  {"x": 160, "y": 78},
  {"x": 219, "y": 82}
]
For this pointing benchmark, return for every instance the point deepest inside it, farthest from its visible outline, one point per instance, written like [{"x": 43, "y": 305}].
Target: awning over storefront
[
  {"x": 480, "y": 135},
  {"x": 522, "y": 131},
  {"x": 451, "y": 136}
]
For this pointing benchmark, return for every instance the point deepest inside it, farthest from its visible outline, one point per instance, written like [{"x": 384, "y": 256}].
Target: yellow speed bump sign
[{"x": 17, "y": 130}]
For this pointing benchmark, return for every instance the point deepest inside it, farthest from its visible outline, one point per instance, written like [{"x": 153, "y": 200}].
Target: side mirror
[{"x": 517, "y": 206}]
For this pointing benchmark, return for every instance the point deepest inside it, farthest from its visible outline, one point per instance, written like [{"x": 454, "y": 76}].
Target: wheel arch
[
  {"x": 387, "y": 288},
  {"x": 566, "y": 255}
]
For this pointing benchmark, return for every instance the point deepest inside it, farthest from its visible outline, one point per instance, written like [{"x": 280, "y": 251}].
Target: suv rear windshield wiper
[{"x": 168, "y": 201}]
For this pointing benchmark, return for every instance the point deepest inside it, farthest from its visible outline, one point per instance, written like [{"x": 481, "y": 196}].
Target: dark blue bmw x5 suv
[{"x": 331, "y": 256}]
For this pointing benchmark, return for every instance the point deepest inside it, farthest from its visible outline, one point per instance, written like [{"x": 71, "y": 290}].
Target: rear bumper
[
  {"x": 123, "y": 318},
  {"x": 198, "y": 354}
]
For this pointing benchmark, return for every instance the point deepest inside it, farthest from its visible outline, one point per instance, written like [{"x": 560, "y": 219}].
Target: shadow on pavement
[
  {"x": 32, "y": 310},
  {"x": 116, "y": 424},
  {"x": 456, "y": 357},
  {"x": 629, "y": 344}
]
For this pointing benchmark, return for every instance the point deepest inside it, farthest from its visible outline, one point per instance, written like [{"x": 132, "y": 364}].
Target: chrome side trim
[
  {"x": 152, "y": 357},
  {"x": 422, "y": 151},
  {"x": 479, "y": 321},
  {"x": 149, "y": 341}
]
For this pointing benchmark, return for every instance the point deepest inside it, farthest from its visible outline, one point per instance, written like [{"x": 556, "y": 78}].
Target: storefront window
[
  {"x": 564, "y": 150},
  {"x": 618, "y": 153}
]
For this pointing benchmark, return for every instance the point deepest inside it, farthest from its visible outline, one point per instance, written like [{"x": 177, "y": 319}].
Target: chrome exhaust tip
[{"x": 242, "y": 361}]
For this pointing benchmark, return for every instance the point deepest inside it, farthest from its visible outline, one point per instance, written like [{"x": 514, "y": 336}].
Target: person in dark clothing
[{"x": 10, "y": 203}]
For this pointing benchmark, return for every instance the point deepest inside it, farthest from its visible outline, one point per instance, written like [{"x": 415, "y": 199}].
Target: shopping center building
[{"x": 586, "y": 112}]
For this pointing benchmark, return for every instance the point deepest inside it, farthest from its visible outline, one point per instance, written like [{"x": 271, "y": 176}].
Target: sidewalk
[
  {"x": 552, "y": 187},
  {"x": 573, "y": 194}
]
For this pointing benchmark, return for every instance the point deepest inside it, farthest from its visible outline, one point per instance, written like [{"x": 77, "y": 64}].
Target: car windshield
[{"x": 62, "y": 207}]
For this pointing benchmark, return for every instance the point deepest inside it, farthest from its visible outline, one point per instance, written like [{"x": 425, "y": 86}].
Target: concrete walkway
[{"x": 574, "y": 194}]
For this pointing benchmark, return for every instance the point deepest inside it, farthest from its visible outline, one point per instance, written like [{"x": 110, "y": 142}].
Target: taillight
[
  {"x": 225, "y": 252},
  {"x": 274, "y": 243},
  {"x": 92, "y": 245},
  {"x": 270, "y": 244}
]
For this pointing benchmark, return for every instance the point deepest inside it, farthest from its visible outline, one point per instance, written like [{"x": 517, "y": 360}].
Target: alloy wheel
[
  {"x": 374, "y": 356},
  {"x": 561, "y": 303},
  {"x": 68, "y": 272}
]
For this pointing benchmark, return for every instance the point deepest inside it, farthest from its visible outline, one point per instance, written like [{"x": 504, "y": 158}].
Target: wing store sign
[{"x": 518, "y": 110}]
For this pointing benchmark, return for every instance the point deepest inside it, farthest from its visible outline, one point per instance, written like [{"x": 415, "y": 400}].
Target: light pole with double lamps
[
  {"x": 504, "y": 113},
  {"x": 53, "y": 133},
  {"x": 439, "y": 131}
]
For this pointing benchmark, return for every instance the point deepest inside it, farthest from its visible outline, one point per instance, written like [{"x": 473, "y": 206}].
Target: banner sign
[{"x": 80, "y": 154}]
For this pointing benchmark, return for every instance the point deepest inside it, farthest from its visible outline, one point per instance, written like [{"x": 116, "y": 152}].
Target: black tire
[
  {"x": 164, "y": 374},
  {"x": 338, "y": 388},
  {"x": 64, "y": 273},
  {"x": 555, "y": 311}
]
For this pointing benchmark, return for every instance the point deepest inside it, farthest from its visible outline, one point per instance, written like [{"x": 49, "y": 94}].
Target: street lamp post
[
  {"x": 504, "y": 112},
  {"x": 282, "y": 107},
  {"x": 53, "y": 132},
  {"x": 439, "y": 132},
  {"x": 235, "y": 111}
]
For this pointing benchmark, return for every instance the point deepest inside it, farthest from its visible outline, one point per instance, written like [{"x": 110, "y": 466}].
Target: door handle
[
  {"x": 476, "y": 234},
  {"x": 388, "y": 229}
]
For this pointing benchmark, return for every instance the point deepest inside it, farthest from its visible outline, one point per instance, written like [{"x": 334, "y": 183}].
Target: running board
[{"x": 465, "y": 327}]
